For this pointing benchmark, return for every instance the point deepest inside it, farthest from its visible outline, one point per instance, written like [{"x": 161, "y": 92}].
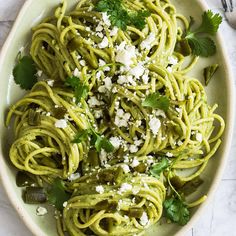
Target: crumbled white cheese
[
  {"x": 169, "y": 69},
  {"x": 133, "y": 148},
  {"x": 101, "y": 62},
  {"x": 108, "y": 83},
  {"x": 100, "y": 189},
  {"x": 93, "y": 101},
  {"x": 173, "y": 60},
  {"x": 147, "y": 43},
  {"x": 50, "y": 82},
  {"x": 137, "y": 71},
  {"x": 138, "y": 123},
  {"x": 76, "y": 72},
  {"x": 99, "y": 28},
  {"x": 102, "y": 89},
  {"x": 114, "y": 90},
  {"x": 169, "y": 154},
  {"x": 114, "y": 31},
  {"x": 116, "y": 142},
  {"x": 100, "y": 35},
  {"x": 62, "y": 123},
  {"x": 155, "y": 125},
  {"x": 135, "y": 162},
  {"x": 121, "y": 46},
  {"x": 125, "y": 54},
  {"x": 145, "y": 77},
  {"x": 104, "y": 43},
  {"x": 144, "y": 219},
  {"x": 125, "y": 187},
  {"x": 138, "y": 142},
  {"x": 179, "y": 143},
  {"x": 82, "y": 62},
  {"x": 39, "y": 73},
  {"x": 74, "y": 176},
  {"x": 179, "y": 110},
  {"x": 98, "y": 114},
  {"x": 126, "y": 159},
  {"x": 125, "y": 168},
  {"x": 121, "y": 79},
  {"x": 122, "y": 118},
  {"x": 103, "y": 157},
  {"x": 199, "y": 137},
  {"x": 160, "y": 113},
  {"x": 131, "y": 80},
  {"x": 99, "y": 74},
  {"x": 106, "y": 19},
  {"x": 41, "y": 211}
]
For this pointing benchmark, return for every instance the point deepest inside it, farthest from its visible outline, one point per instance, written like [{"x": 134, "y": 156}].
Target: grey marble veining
[{"x": 218, "y": 218}]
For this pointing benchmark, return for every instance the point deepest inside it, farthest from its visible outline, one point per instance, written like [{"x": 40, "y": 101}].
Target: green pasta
[{"x": 140, "y": 102}]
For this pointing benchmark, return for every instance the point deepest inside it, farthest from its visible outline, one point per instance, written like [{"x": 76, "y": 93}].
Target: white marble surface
[{"x": 219, "y": 218}]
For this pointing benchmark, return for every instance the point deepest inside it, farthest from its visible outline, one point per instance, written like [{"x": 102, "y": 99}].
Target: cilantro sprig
[
  {"x": 158, "y": 168},
  {"x": 81, "y": 90},
  {"x": 199, "y": 42},
  {"x": 176, "y": 210},
  {"x": 25, "y": 72},
  {"x": 120, "y": 16},
  {"x": 57, "y": 194},
  {"x": 156, "y": 101},
  {"x": 98, "y": 141}
]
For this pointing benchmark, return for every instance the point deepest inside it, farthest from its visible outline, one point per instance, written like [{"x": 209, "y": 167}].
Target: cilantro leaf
[
  {"x": 176, "y": 211},
  {"x": 81, "y": 136},
  {"x": 81, "y": 90},
  {"x": 202, "y": 45},
  {"x": 57, "y": 194},
  {"x": 101, "y": 143},
  {"x": 97, "y": 140},
  {"x": 138, "y": 19},
  {"x": 25, "y": 73},
  {"x": 120, "y": 16},
  {"x": 72, "y": 81},
  {"x": 159, "y": 167},
  {"x": 210, "y": 23},
  {"x": 156, "y": 101},
  {"x": 108, "y": 5}
]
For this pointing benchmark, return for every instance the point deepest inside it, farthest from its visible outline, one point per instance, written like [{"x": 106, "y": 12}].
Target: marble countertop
[{"x": 218, "y": 218}]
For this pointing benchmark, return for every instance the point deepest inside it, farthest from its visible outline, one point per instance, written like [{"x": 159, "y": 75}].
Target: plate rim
[{"x": 25, "y": 217}]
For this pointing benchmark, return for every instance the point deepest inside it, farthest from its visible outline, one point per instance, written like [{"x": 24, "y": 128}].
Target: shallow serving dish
[{"x": 31, "y": 13}]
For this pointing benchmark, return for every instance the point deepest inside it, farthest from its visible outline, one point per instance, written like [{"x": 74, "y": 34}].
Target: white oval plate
[{"x": 31, "y": 14}]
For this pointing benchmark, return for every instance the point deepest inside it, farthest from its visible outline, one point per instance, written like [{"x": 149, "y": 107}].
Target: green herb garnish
[
  {"x": 203, "y": 45},
  {"x": 156, "y": 169},
  {"x": 176, "y": 210},
  {"x": 81, "y": 90},
  {"x": 97, "y": 140},
  {"x": 57, "y": 194},
  {"x": 156, "y": 101},
  {"x": 81, "y": 136},
  {"x": 120, "y": 16},
  {"x": 25, "y": 73},
  {"x": 101, "y": 143},
  {"x": 209, "y": 72}
]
